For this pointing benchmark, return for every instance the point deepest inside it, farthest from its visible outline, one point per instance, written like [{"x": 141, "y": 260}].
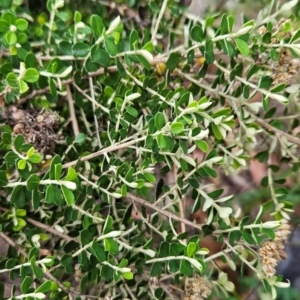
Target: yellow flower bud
[{"x": 161, "y": 68}]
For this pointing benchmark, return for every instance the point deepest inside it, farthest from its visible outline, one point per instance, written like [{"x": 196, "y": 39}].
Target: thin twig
[
  {"x": 94, "y": 102},
  {"x": 92, "y": 91},
  {"x": 50, "y": 230},
  {"x": 9, "y": 241},
  {"x": 265, "y": 124},
  {"x": 72, "y": 111},
  {"x": 111, "y": 148},
  {"x": 163, "y": 212},
  {"x": 161, "y": 13},
  {"x": 65, "y": 82},
  {"x": 46, "y": 228},
  {"x": 101, "y": 71}
]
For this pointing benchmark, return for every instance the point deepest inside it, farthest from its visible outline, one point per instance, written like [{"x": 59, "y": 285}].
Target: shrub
[{"x": 119, "y": 124}]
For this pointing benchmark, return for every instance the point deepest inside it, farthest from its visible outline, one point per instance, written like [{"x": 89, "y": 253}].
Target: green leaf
[
  {"x": 35, "y": 158},
  {"x": 26, "y": 283},
  {"x": 234, "y": 236},
  {"x": 230, "y": 21},
  {"x": 121, "y": 68},
  {"x": 224, "y": 24},
  {"x": 5, "y": 4},
  {"x": 107, "y": 273},
  {"x": 202, "y": 145},
  {"x": 209, "y": 171},
  {"x": 77, "y": 17},
  {"x": 44, "y": 287},
  {"x": 111, "y": 246},
  {"x": 161, "y": 141},
  {"x": 30, "y": 152},
  {"x": 58, "y": 171},
  {"x": 11, "y": 38},
  {"x": 10, "y": 17},
  {"x": 186, "y": 268},
  {"x": 248, "y": 237},
  {"x": 143, "y": 61},
  {"x": 21, "y": 212},
  {"x": 242, "y": 46},
  {"x": 85, "y": 237},
  {"x": 209, "y": 57},
  {"x": 23, "y": 86},
  {"x": 164, "y": 249},
  {"x": 52, "y": 193},
  {"x": 100, "y": 56},
  {"x": 20, "y": 224},
  {"x": 38, "y": 272},
  {"x": 150, "y": 177},
  {"x": 10, "y": 263},
  {"x": 18, "y": 198},
  {"x": 108, "y": 225},
  {"x": 254, "y": 69},
  {"x": 265, "y": 103},
  {"x": 66, "y": 48},
  {"x": 80, "y": 138},
  {"x": 156, "y": 269},
  {"x": 279, "y": 88},
  {"x": 265, "y": 82},
  {"x": 110, "y": 46},
  {"x": 12, "y": 80},
  {"x": 266, "y": 38},
  {"x": 22, "y": 164},
  {"x": 71, "y": 175},
  {"x": 123, "y": 263},
  {"x": 295, "y": 37},
  {"x": 22, "y": 39},
  {"x": 30, "y": 60},
  {"x": 191, "y": 249},
  {"x": 68, "y": 195},
  {"x": 36, "y": 198},
  {"x": 31, "y": 75},
  {"x": 84, "y": 283},
  {"x": 97, "y": 25},
  {"x": 128, "y": 213},
  {"x": 159, "y": 120},
  {"x": 132, "y": 111},
  {"x": 3, "y": 178},
  {"x": 148, "y": 46},
  {"x": 21, "y": 24},
  {"x": 269, "y": 232},
  {"x": 227, "y": 47},
  {"x": 197, "y": 33},
  {"x": 33, "y": 182},
  {"x": 80, "y": 49},
  {"x": 4, "y": 26},
  {"x": 66, "y": 260},
  {"x": 274, "y": 55},
  {"x": 216, "y": 131},
  {"x": 128, "y": 275},
  {"x": 177, "y": 128},
  {"x": 124, "y": 190},
  {"x": 133, "y": 39},
  {"x": 173, "y": 61},
  {"x": 98, "y": 251}
]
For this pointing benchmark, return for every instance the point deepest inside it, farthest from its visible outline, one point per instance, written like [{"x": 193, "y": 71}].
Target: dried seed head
[
  {"x": 18, "y": 128},
  {"x": 16, "y": 114},
  {"x": 262, "y": 30},
  {"x": 40, "y": 118},
  {"x": 198, "y": 288},
  {"x": 273, "y": 251}
]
